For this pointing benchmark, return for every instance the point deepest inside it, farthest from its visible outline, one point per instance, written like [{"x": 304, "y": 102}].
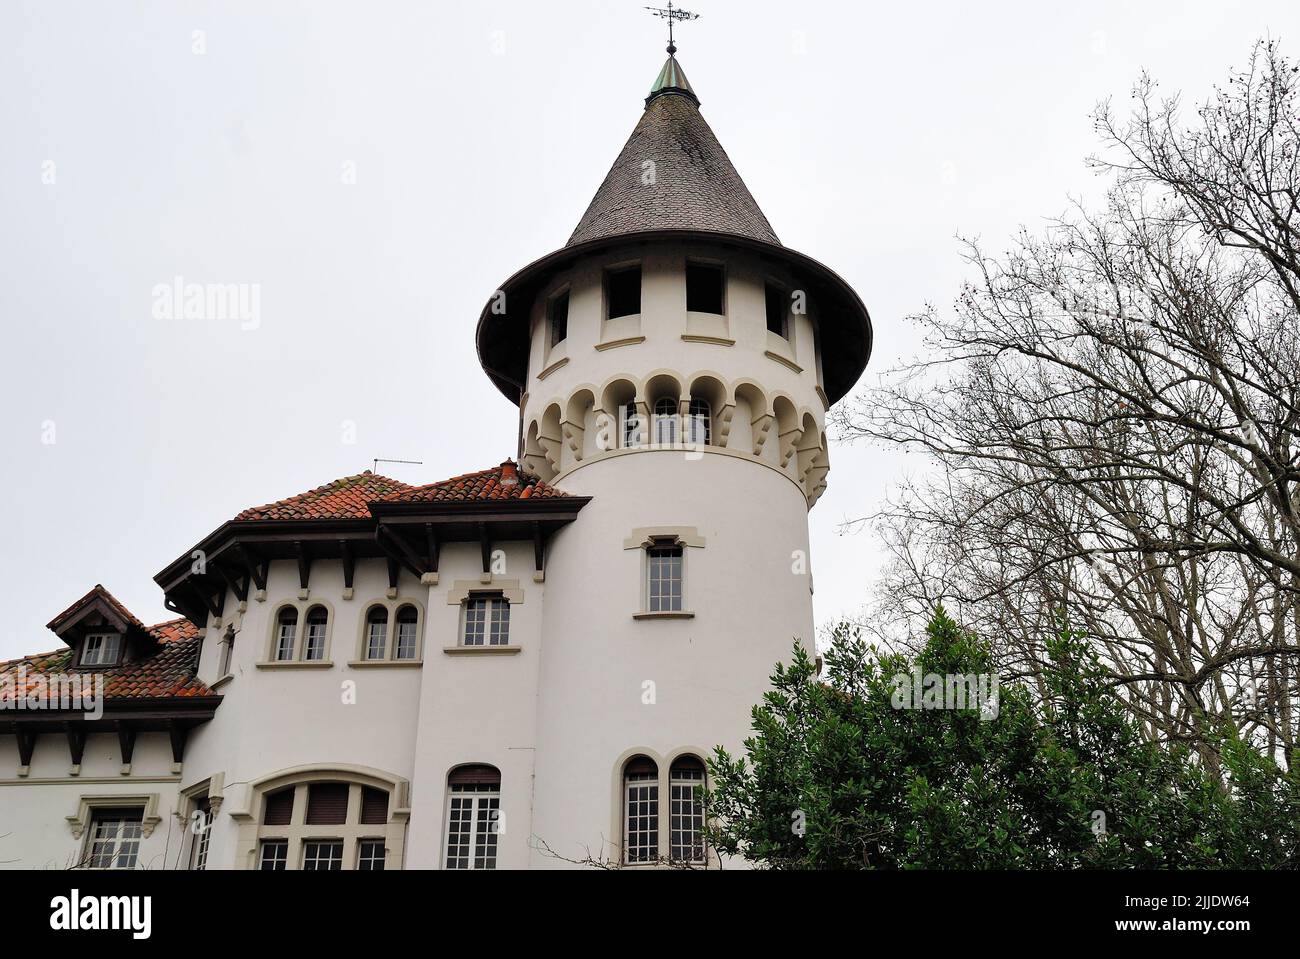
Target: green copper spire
[{"x": 672, "y": 79}]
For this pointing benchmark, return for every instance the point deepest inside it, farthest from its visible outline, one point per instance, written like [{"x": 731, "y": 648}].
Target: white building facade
[{"x": 524, "y": 667}]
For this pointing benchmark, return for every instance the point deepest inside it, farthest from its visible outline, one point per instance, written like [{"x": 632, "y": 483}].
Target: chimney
[{"x": 509, "y": 475}]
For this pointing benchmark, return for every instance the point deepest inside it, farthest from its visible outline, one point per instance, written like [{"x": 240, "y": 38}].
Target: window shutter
[
  {"x": 279, "y": 808},
  {"x": 374, "y": 806},
  {"x": 474, "y": 776},
  {"x": 327, "y": 804}
]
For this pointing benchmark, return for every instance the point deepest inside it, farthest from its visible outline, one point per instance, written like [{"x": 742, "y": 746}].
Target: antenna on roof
[
  {"x": 375, "y": 467},
  {"x": 672, "y": 14}
]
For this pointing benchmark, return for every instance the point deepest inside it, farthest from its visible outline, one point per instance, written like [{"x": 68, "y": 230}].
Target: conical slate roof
[{"x": 673, "y": 175}]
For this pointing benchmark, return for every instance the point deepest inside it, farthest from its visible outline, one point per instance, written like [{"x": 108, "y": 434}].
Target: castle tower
[{"x": 674, "y": 362}]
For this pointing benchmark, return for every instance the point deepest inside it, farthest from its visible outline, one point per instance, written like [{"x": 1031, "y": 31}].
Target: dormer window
[{"x": 101, "y": 649}]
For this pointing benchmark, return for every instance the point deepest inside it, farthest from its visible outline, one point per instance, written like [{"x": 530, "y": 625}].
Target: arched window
[
  {"x": 286, "y": 634},
  {"x": 686, "y": 810},
  {"x": 665, "y": 421},
  {"x": 408, "y": 643},
  {"x": 632, "y": 432},
  {"x": 473, "y": 814},
  {"x": 699, "y": 425},
  {"x": 376, "y": 632},
  {"x": 317, "y": 621},
  {"x": 640, "y": 810}
]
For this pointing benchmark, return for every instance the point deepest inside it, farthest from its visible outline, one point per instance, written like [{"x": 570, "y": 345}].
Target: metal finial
[{"x": 672, "y": 15}]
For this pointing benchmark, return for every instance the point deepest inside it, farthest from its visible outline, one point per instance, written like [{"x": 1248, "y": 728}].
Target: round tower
[{"x": 674, "y": 362}]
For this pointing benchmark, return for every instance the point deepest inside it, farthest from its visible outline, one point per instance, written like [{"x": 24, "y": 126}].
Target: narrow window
[
  {"x": 487, "y": 621},
  {"x": 227, "y": 651},
  {"x": 633, "y": 435},
  {"x": 641, "y": 810},
  {"x": 275, "y": 855},
  {"x": 665, "y": 421},
  {"x": 327, "y": 804},
  {"x": 704, "y": 285},
  {"x": 664, "y": 578},
  {"x": 376, "y": 632},
  {"x": 115, "y": 838},
  {"x": 699, "y": 424},
  {"x": 201, "y": 823},
  {"x": 686, "y": 812},
  {"x": 623, "y": 292},
  {"x": 407, "y": 638},
  {"x": 371, "y": 855},
  {"x": 778, "y": 310},
  {"x": 101, "y": 649},
  {"x": 560, "y": 318},
  {"x": 317, "y": 619},
  {"x": 286, "y": 634},
  {"x": 473, "y": 809},
  {"x": 322, "y": 855}
]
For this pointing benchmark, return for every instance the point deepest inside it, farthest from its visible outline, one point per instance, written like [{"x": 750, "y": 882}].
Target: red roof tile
[
  {"x": 99, "y": 592},
  {"x": 504, "y": 482},
  {"x": 344, "y": 498},
  {"x": 165, "y": 672}
]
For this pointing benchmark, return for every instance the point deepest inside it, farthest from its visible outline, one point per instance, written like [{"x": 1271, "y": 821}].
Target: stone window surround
[
  {"x": 300, "y": 639},
  {"x": 664, "y": 764},
  {"x": 88, "y": 805},
  {"x": 646, "y": 537},
  {"x": 251, "y": 832},
  {"x": 390, "y": 644},
  {"x": 464, "y": 589},
  {"x": 210, "y": 789}
]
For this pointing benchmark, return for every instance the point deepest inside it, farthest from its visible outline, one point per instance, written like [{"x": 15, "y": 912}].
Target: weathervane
[{"x": 671, "y": 14}]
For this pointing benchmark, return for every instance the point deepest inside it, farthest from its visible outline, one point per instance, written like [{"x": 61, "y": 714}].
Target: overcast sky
[{"x": 377, "y": 169}]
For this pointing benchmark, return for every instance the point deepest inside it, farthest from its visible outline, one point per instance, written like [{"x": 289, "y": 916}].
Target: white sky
[{"x": 870, "y": 134}]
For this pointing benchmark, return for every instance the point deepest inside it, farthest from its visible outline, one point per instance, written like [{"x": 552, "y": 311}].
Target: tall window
[
  {"x": 778, "y": 310},
  {"x": 114, "y": 838},
  {"x": 376, "y": 632},
  {"x": 487, "y": 621},
  {"x": 699, "y": 423},
  {"x": 640, "y": 810},
  {"x": 473, "y": 812},
  {"x": 201, "y": 823},
  {"x": 664, "y": 578},
  {"x": 286, "y": 635},
  {"x": 623, "y": 292},
  {"x": 559, "y": 318},
  {"x": 227, "y": 650},
  {"x": 101, "y": 649},
  {"x": 686, "y": 810},
  {"x": 665, "y": 421},
  {"x": 704, "y": 288},
  {"x": 317, "y": 620},
  {"x": 407, "y": 638},
  {"x": 632, "y": 432}
]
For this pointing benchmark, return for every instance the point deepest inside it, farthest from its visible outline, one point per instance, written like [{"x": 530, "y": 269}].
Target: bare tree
[{"x": 1113, "y": 412}]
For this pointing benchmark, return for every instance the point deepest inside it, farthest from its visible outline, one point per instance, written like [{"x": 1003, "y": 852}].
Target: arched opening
[
  {"x": 640, "y": 810},
  {"x": 686, "y": 783},
  {"x": 408, "y": 637},
  {"x": 286, "y": 634},
  {"x": 376, "y": 632}
]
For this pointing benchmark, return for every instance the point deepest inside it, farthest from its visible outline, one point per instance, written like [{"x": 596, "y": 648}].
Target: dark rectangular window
[
  {"x": 275, "y": 855},
  {"x": 704, "y": 283},
  {"x": 322, "y": 855},
  {"x": 327, "y": 804},
  {"x": 279, "y": 808},
  {"x": 623, "y": 292},
  {"x": 374, "y": 806},
  {"x": 559, "y": 318},
  {"x": 778, "y": 310},
  {"x": 370, "y": 857}
]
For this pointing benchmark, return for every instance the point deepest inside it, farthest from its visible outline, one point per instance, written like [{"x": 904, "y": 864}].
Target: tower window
[
  {"x": 640, "y": 810},
  {"x": 286, "y": 634},
  {"x": 407, "y": 636},
  {"x": 632, "y": 433},
  {"x": 560, "y": 318},
  {"x": 623, "y": 292},
  {"x": 664, "y": 578},
  {"x": 665, "y": 421},
  {"x": 699, "y": 423},
  {"x": 704, "y": 286},
  {"x": 778, "y": 311},
  {"x": 487, "y": 621},
  {"x": 317, "y": 621},
  {"x": 376, "y": 632}
]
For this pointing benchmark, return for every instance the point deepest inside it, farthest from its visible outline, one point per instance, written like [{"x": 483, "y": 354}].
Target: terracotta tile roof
[
  {"x": 99, "y": 592},
  {"x": 165, "y": 672},
  {"x": 504, "y": 482},
  {"x": 344, "y": 498}
]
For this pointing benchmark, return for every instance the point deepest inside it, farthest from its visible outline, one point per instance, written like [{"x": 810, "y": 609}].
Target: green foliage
[{"x": 837, "y": 777}]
